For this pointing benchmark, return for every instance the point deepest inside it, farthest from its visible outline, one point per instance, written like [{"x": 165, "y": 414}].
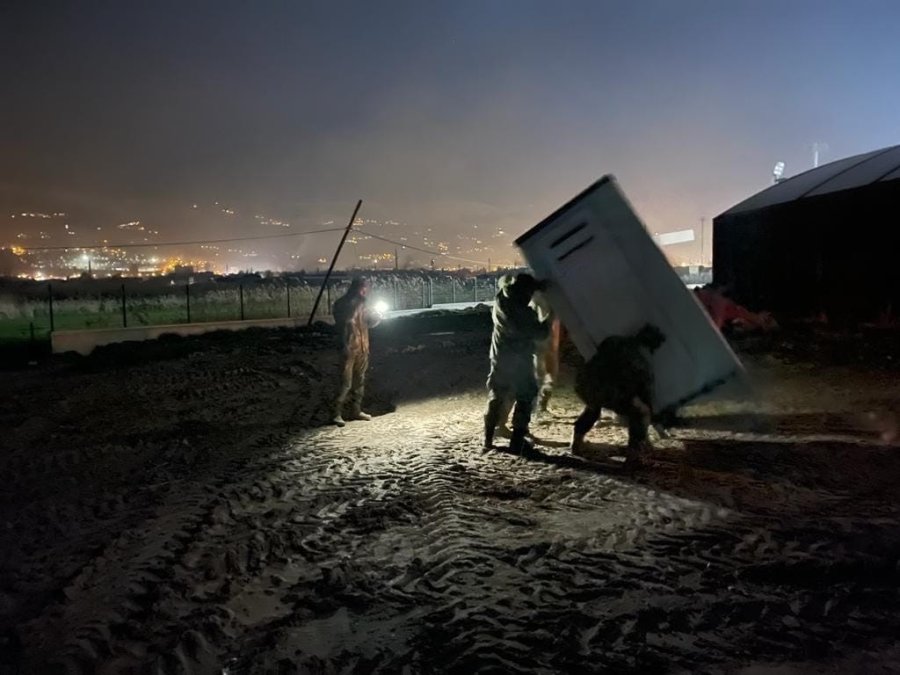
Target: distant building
[
  {"x": 183, "y": 270},
  {"x": 822, "y": 241}
]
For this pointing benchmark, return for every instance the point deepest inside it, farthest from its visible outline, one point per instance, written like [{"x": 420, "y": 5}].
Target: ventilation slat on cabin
[
  {"x": 575, "y": 248},
  {"x": 575, "y": 230}
]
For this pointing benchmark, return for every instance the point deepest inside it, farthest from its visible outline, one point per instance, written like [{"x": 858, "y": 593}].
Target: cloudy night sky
[{"x": 438, "y": 115}]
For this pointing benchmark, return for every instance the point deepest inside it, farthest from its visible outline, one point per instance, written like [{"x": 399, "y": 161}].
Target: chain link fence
[{"x": 36, "y": 309}]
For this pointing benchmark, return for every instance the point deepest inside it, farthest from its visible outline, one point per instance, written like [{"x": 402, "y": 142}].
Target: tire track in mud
[
  {"x": 110, "y": 609},
  {"x": 398, "y": 544},
  {"x": 437, "y": 560},
  {"x": 612, "y": 574},
  {"x": 114, "y": 567},
  {"x": 371, "y": 549}
]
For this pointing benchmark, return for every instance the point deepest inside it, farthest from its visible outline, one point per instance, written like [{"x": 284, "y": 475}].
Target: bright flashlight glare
[{"x": 381, "y": 307}]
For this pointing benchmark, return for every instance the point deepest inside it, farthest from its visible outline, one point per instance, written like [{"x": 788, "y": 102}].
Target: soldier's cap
[
  {"x": 651, "y": 336},
  {"x": 358, "y": 282},
  {"x": 526, "y": 283}
]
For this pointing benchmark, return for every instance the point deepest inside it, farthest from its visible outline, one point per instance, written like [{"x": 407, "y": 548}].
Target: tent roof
[{"x": 844, "y": 174}]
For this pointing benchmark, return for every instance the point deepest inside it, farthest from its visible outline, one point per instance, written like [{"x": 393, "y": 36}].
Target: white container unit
[{"x": 608, "y": 277}]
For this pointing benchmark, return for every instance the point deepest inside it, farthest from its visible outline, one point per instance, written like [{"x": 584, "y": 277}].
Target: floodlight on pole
[
  {"x": 778, "y": 171},
  {"x": 702, "y": 235},
  {"x": 816, "y": 148}
]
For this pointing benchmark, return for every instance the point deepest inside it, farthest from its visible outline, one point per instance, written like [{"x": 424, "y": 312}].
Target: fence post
[
  {"x": 475, "y": 290},
  {"x": 288, "y": 287},
  {"x": 430, "y": 292},
  {"x": 394, "y": 285},
  {"x": 187, "y": 295},
  {"x": 328, "y": 297},
  {"x": 241, "y": 292},
  {"x": 124, "y": 311},
  {"x": 50, "y": 298},
  {"x": 452, "y": 290}
]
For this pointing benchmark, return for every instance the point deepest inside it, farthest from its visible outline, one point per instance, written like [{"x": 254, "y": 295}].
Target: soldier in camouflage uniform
[
  {"x": 352, "y": 319},
  {"x": 515, "y": 339},
  {"x": 619, "y": 377},
  {"x": 546, "y": 360}
]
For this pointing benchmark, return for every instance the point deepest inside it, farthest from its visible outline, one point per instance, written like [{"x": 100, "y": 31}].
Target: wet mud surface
[{"x": 179, "y": 507}]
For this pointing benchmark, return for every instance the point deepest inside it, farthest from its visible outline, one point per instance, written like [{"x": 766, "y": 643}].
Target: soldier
[
  {"x": 517, "y": 333},
  {"x": 546, "y": 357},
  {"x": 352, "y": 319},
  {"x": 619, "y": 377}
]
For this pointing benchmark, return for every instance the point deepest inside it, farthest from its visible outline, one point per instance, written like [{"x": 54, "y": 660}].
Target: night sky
[{"x": 437, "y": 114}]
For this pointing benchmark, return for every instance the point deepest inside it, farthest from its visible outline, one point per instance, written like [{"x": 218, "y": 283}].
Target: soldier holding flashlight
[{"x": 352, "y": 319}]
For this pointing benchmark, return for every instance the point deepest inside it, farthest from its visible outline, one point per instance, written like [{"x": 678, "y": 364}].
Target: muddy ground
[{"x": 177, "y": 507}]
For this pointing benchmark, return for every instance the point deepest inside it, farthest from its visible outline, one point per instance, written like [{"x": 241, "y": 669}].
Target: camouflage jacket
[
  {"x": 620, "y": 370},
  {"x": 517, "y": 330},
  {"x": 352, "y": 321}
]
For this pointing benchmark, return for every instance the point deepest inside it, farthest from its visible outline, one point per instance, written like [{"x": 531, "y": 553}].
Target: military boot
[
  {"x": 543, "y": 405},
  {"x": 492, "y": 418},
  {"x": 519, "y": 443},
  {"x": 577, "y": 445},
  {"x": 488, "y": 432},
  {"x": 633, "y": 454}
]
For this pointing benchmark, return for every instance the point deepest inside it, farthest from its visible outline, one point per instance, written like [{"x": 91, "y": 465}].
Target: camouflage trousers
[
  {"x": 635, "y": 411},
  {"x": 352, "y": 382},
  {"x": 512, "y": 385}
]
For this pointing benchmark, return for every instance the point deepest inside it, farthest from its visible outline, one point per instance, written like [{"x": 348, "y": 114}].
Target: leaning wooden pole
[{"x": 337, "y": 253}]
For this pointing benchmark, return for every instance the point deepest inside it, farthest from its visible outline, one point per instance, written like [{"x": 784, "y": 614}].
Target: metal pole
[
  {"x": 124, "y": 311},
  {"x": 702, "y": 248},
  {"x": 50, "y": 298},
  {"x": 452, "y": 289},
  {"x": 312, "y": 314},
  {"x": 430, "y": 292},
  {"x": 328, "y": 298},
  {"x": 187, "y": 295},
  {"x": 475, "y": 290},
  {"x": 241, "y": 292},
  {"x": 288, "y": 287}
]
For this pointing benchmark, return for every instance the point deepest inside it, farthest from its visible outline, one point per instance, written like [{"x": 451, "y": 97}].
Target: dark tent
[{"x": 823, "y": 241}]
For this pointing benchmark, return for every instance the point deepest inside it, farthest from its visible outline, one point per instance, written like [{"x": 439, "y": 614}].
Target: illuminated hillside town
[{"x": 48, "y": 246}]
